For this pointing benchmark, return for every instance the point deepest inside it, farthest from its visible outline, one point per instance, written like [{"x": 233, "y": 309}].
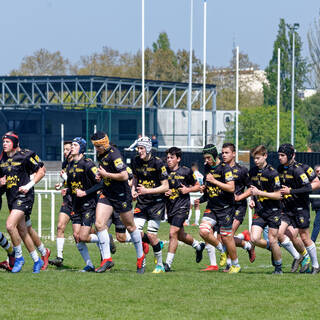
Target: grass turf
[{"x": 185, "y": 293}]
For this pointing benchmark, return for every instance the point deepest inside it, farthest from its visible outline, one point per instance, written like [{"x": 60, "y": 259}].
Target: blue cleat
[
  {"x": 19, "y": 262},
  {"x": 87, "y": 268},
  {"x": 37, "y": 266}
]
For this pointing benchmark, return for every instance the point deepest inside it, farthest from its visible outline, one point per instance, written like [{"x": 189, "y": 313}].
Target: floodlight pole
[
  {"x": 62, "y": 142},
  {"x": 204, "y": 72},
  {"x": 278, "y": 102},
  {"x": 142, "y": 71},
  {"x": 190, "y": 76},
  {"x": 237, "y": 104}
]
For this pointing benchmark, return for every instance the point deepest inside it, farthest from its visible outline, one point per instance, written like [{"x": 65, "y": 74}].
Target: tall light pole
[
  {"x": 204, "y": 72},
  {"x": 237, "y": 104},
  {"x": 142, "y": 71},
  {"x": 293, "y": 29},
  {"x": 190, "y": 76}
]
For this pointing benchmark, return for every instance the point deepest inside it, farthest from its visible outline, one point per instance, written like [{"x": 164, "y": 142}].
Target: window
[{"x": 127, "y": 129}]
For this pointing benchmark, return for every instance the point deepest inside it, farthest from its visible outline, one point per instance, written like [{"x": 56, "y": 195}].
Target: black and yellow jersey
[{"x": 241, "y": 180}]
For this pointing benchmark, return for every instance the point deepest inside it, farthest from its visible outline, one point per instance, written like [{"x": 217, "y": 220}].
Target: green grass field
[{"x": 185, "y": 293}]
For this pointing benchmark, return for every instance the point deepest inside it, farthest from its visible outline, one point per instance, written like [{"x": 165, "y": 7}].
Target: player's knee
[
  {"x": 121, "y": 237},
  {"x": 173, "y": 235},
  {"x": 254, "y": 238},
  {"x": 204, "y": 230},
  {"x": 10, "y": 227},
  {"x": 131, "y": 228},
  {"x": 76, "y": 237},
  {"x": 99, "y": 225}
]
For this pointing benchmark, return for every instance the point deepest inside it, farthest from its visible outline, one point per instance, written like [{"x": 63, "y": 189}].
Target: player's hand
[
  {"x": 252, "y": 204},
  {"x": 141, "y": 189},
  {"x": 202, "y": 188},
  {"x": 197, "y": 202},
  {"x": 210, "y": 178},
  {"x": 102, "y": 172},
  {"x": 236, "y": 197},
  {"x": 254, "y": 191},
  {"x": 61, "y": 173},
  {"x": 64, "y": 192},
  {"x": 134, "y": 194},
  {"x": 80, "y": 193},
  {"x": 24, "y": 189},
  {"x": 3, "y": 180},
  {"x": 168, "y": 193},
  {"x": 285, "y": 190},
  {"x": 183, "y": 189}
]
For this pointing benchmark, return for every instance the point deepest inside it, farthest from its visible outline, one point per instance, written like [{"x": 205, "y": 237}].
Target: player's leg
[
  {"x": 6, "y": 245},
  {"x": 197, "y": 213},
  {"x": 311, "y": 248},
  {"x": 152, "y": 232},
  {"x": 276, "y": 251},
  {"x": 85, "y": 236}
]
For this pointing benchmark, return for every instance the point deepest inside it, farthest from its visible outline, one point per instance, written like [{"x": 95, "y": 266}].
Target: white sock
[
  {"x": 170, "y": 257},
  {"x": 228, "y": 262},
  {"x": 128, "y": 237},
  {"x": 137, "y": 242},
  {"x": 247, "y": 245},
  {"x": 18, "y": 251},
  {"x": 197, "y": 213},
  {"x": 288, "y": 245},
  {"x": 235, "y": 262},
  {"x": 189, "y": 216},
  {"x": 83, "y": 249},
  {"x": 94, "y": 238},
  {"x": 42, "y": 249},
  {"x": 240, "y": 236},
  {"x": 212, "y": 254},
  {"x": 196, "y": 244},
  {"x": 104, "y": 244},
  {"x": 220, "y": 247},
  {"x": 34, "y": 256},
  {"x": 312, "y": 250},
  {"x": 60, "y": 245}
]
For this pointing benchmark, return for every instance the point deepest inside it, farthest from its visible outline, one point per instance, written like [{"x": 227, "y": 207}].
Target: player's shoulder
[{"x": 26, "y": 152}]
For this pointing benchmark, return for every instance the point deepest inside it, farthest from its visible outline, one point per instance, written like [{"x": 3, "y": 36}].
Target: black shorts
[
  {"x": 66, "y": 206},
  {"x": 154, "y": 211},
  {"x": 300, "y": 219},
  {"x": 84, "y": 218},
  {"x": 115, "y": 219},
  {"x": 224, "y": 218},
  {"x": 177, "y": 220},
  {"x": 240, "y": 213},
  {"x": 123, "y": 204},
  {"x": 271, "y": 218},
  {"x": 23, "y": 203}
]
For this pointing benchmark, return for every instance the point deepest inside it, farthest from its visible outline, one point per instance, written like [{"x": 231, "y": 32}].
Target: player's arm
[
  {"x": 276, "y": 195},
  {"x": 305, "y": 185},
  {"x": 243, "y": 196},
  {"x": 120, "y": 176},
  {"x": 228, "y": 186},
  {"x": 163, "y": 188}
]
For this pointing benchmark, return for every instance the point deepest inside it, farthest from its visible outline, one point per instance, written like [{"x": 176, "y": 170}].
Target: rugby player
[
  {"x": 115, "y": 196},
  {"x": 20, "y": 170},
  {"x": 66, "y": 207},
  {"x": 219, "y": 213},
  {"x": 81, "y": 176},
  {"x": 241, "y": 179},
  {"x": 150, "y": 183},
  {"x": 182, "y": 181},
  {"x": 265, "y": 189},
  {"x": 296, "y": 188}
]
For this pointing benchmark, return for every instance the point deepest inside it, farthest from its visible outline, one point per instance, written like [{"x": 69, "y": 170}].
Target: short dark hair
[
  {"x": 262, "y": 150},
  {"x": 67, "y": 142},
  {"x": 176, "y": 151},
  {"x": 229, "y": 145}
]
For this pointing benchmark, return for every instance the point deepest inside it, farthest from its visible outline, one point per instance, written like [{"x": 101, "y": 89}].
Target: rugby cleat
[
  {"x": 279, "y": 271},
  {"x": 159, "y": 269},
  {"x": 105, "y": 265},
  {"x": 58, "y": 262},
  {"x": 295, "y": 264},
  {"x": 145, "y": 247},
  {"x": 166, "y": 267},
  {"x": 37, "y": 266},
  {"x": 210, "y": 268},
  {"x": 11, "y": 259},
  {"x": 88, "y": 268},
  {"x": 113, "y": 247},
  {"x": 223, "y": 259},
  {"x": 45, "y": 259},
  {"x": 19, "y": 262},
  {"x": 305, "y": 264},
  {"x": 5, "y": 265},
  {"x": 199, "y": 253},
  {"x": 141, "y": 264},
  {"x": 246, "y": 235},
  {"x": 227, "y": 268},
  {"x": 252, "y": 254},
  {"x": 234, "y": 269},
  {"x": 315, "y": 270}
]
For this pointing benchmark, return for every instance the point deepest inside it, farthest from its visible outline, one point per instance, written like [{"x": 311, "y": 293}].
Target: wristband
[
  {"x": 64, "y": 176},
  {"x": 29, "y": 185}
]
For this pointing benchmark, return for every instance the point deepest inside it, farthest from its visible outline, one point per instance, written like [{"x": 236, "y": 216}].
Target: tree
[
  {"x": 284, "y": 42},
  {"x": 42, "y": 62},
  {"x": 257, "y": 126},
  {"x": 310, "y": 112},
  {"x": 314, "y": 49}
]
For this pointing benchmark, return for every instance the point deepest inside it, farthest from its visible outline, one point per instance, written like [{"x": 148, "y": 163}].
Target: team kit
[{"x": 95, "y": 196}]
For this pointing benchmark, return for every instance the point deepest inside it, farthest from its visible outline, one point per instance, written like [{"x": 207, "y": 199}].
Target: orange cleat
[
  {"x": 5, "y": 265},
  {"x": 145, "y": 247},
  {"x": 210, "y": 268},
  {"x": 246, "y": 235},
  {"x": 45, "y": 259}
]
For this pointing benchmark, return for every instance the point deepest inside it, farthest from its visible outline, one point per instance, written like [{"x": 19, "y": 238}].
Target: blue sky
[{"x": 78, "y": 27}]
